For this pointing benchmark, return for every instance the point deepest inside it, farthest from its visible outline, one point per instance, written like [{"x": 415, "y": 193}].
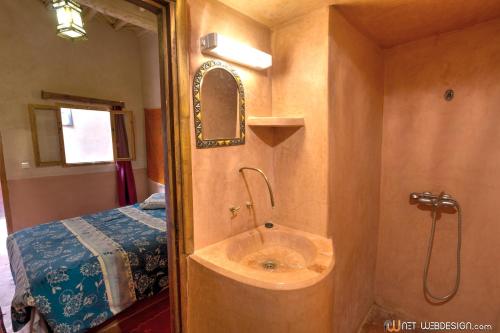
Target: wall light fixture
[{"x": 225, "y": 48}]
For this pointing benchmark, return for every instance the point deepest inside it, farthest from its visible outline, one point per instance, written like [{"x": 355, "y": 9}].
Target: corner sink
[{"x": 273, "y": 258}]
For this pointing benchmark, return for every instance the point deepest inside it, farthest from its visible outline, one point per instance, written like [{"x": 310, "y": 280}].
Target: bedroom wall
[
  {"x": 107, "y": 65},
  {"x": 356, "y": 110},
  {"x": 151, "y": 97},
  {"x": 217, "y": 184},
  {"x": 154, "y": 149},
  {"x": 430, "y": 144},
  {"x": 150, "y": 70},
  {"x": 44, "y": 199},
  {"x": 2, "y": 210}
]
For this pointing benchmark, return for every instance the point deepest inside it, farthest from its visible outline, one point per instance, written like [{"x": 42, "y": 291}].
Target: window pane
[{"x": 89, "y": 138}]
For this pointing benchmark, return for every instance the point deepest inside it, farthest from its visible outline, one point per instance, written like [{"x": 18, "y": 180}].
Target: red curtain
[
  {"x": 126, "y": 184},
  {"x": 127, "y": 194}
]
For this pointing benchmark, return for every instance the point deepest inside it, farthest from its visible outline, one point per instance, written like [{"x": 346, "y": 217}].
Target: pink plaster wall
[
  {"x": 43, "y": 199},
  {"x": 430, "y": 144},
  {"x": 300, "y": 87},
  {"x": 355, "y": 132},
  {"x": 217, "y": 185}
]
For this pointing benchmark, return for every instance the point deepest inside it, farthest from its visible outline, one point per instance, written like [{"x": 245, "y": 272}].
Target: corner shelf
[{"x": 280, "y": 121}]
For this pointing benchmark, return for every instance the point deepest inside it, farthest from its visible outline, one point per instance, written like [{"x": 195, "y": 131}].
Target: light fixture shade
[
  {"x": 69, "y": 19},
  {"x": 222, "y": 47}
]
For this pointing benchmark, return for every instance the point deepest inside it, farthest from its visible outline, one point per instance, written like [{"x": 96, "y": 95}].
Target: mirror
[{"x": 219, "y": 106}]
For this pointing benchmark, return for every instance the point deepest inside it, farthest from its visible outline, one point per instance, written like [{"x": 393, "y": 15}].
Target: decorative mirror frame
[{"x": 198, "y": 126}]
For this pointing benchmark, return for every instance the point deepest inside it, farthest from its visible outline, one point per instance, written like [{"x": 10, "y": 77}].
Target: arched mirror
[{"x": 219, "y": 106}]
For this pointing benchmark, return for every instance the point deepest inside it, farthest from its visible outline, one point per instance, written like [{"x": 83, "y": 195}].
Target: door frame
[
  {"x": 175, "y": 96},
  {"x": 5, "y": 189}
]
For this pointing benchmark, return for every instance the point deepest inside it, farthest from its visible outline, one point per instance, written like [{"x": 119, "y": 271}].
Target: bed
[{"x": 75, "y": 274}]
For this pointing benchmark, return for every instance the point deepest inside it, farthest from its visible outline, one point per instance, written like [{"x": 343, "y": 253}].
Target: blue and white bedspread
[{"x": 79, "y": 272}]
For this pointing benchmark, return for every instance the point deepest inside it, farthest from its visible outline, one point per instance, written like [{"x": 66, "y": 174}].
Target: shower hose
[{"x": 431, "y": 297}]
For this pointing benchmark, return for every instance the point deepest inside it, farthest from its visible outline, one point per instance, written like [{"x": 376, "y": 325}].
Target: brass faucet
[{"x": 271, "y": 195}]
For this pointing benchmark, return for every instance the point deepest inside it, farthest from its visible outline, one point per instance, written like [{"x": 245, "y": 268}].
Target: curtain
[{"x": 127, "y": 194}]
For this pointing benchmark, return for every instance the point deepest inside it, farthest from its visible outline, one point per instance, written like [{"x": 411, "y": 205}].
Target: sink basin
[{"x": 273, "y": 258}]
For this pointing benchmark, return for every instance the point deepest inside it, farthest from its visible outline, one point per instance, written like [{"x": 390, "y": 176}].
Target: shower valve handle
[{"x": 426, "y": 200}]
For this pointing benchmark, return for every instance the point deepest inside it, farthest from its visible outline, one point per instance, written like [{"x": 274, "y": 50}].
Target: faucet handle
[
  {"x": 448, "y": 203},
  {"x": 234, "y": 210},
  {"x": 415, "y": 195},
  {"x": 426, "y": 200}
]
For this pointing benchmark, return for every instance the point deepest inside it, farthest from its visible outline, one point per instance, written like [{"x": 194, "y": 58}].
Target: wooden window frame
[
  {"x": 34, "y": 133},
  {"x": 57, "y": 108}
]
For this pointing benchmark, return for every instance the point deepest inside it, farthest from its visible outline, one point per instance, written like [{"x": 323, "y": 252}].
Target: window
[
  {"x": 83, "y": 135},
  {"x": 89, "y": 138}
]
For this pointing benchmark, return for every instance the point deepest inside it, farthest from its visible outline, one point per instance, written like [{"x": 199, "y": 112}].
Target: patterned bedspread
[{"x": 79, "y": 272}]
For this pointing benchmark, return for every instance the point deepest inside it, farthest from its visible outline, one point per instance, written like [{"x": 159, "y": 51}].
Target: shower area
[
  {"x": 428, "y": 250},
  {"x": 436, "y": 142}
]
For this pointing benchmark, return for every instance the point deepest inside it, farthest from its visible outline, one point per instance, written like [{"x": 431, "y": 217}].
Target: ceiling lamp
[
  {"x": 222, "y": 47},
  {"x": 69, "y": 19}
]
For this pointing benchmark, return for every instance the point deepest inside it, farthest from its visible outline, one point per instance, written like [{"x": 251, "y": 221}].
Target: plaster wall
[
  {"x": 2, "y": 209},
  {"x": 151, "y": 98},
  {"x": 300, "y": 87},
  {"x": 150, "y": 70},
  {"x": 217, "y": 184},
  {"x": 43, "y": 199},
  {"x": 430, "y": 144},
  {"x": 355, "y": 131},
  {"x": 107, "y": 65}
]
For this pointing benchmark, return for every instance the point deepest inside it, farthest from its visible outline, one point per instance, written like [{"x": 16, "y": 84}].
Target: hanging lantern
[{"x": 69, "y": 18}]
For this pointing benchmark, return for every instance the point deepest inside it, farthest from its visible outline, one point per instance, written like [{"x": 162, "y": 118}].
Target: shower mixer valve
[
  {"x": 436, "y": 201},
  {"x": 429, "y": 199}
]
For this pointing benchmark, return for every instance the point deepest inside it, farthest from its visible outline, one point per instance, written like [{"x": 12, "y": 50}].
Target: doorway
[
  {"x": 6, "y": 282},
  {"x": 3, "y": 223},
  {"x": 5, "y": 228}
]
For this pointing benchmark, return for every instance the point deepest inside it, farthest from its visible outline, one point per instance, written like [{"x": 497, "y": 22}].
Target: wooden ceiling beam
[
  {"x": 119, "y": 24},
  {"x": 123, "y": 11},
  {"x": 91, "y": 13},
  {"x": 80, "y": 99}
]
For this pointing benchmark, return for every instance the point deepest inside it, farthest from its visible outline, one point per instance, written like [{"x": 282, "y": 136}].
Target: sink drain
[{"x": 269, "y": 265}]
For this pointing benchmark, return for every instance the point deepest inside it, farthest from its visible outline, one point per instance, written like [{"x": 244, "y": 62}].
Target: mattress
[{"x": 75, "y": 274}]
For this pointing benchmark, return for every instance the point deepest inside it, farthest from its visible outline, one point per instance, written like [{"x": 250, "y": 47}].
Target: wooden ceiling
[
  {"x": 121, "y": 13},
  {"x": 388, "y": 22},
  {"x": 118, "y": 13}
]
